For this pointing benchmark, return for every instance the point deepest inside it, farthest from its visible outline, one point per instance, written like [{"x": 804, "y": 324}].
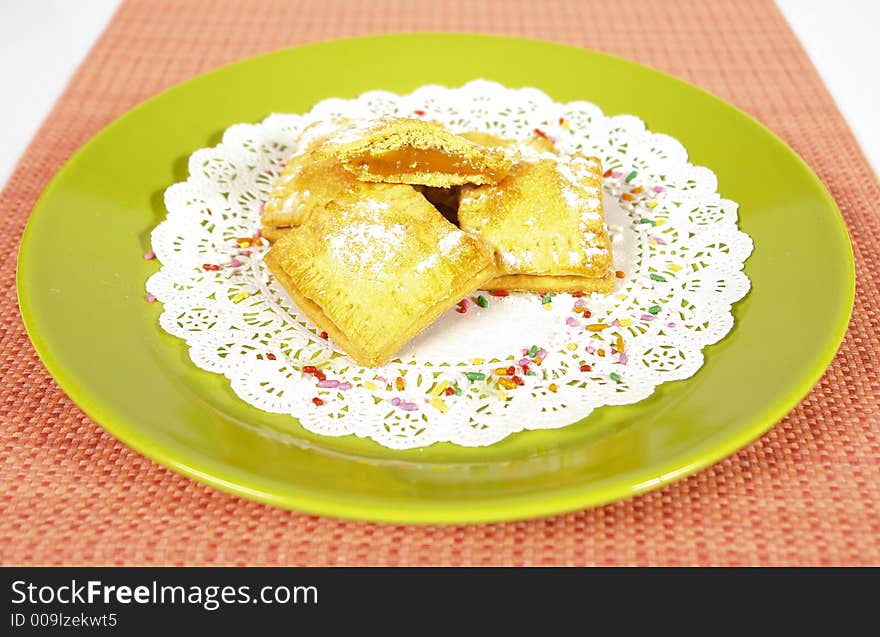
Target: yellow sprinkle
[
  {"x": 620, "y": 345},
  {"x": 674, "y": 267},
  {"x": 572, "y": 346},
  {"x": 241, "y": 296},
  {"x": 477, "y": 361},
  {"x": 440, "y": 388},
  {"x": 507, "y": 383},
  {"x": 626, "y": 322},
  {"x": 548, "y": 306},
  {"x": 552, "y": 387},
  {"x": 652, "y": 204},
  {"x": 244, "y": 244},
  {"x": 660, "y": 222},
  {"x": 598, "y": 327},
  {"x": 539, "y": 360},
  {"x": 622, "y": 297},
  {"x": 370, "y": 386},
  {"x": 439, "y": 405},
  {"x": 499, "y": 393},
  {"x": 399, "y": 383},
  {"x": 501, "y": 371}
]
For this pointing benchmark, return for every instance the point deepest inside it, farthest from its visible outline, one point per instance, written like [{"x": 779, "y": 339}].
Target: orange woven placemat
[{"x": 805, "y": 493}]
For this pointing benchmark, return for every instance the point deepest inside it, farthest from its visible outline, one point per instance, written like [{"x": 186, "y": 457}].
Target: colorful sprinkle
[
  {"x": 600, "y": 352},
  {"x": 507, "y": 383},
  {"x": 396, "y": 401},
  {"x": 637, "y": 190},
  {"x": 474, "y": 376},
  {"x": 670, "y": 324},
  {"x": 533, "y": 351},
  {"x": 626, "y": 322},
  {"x": 654, "y": 309},
  {"x": 440, "y": 388},
  {"x": 149, "y": 298},
  {"x": 318, "y": 402},
  {"x": 482, "y": 301},
  {"x": 586, "y": 368},
  {"x": 607, "y": 173},
  {"x": 408, "y": 406},
  {"x": 538, "y": 360},
  {"x": 660, "y": 222},
  {"x": 450, "y": 391},
  {"x": 647, "y": 317},
  {"x": 577, "y": 294},
  {"x": 523, "y": 362},
  {"x": 552, "y": 387},
  {"x": 657, "y": 277},
  {"x": 614, "y": 376},
  {"x": 627, "y": 197},
  {"x": 658, "y": 241},
  {"x": 542, "y": 353},
  {"x": 500, "y": 371},
  {"x": 324, "y": 335},
  {"x": 658, "y": 188},
  {"x": 370, "y": 385},
  {"x": 631, "y": 176},
  {"x": 675, "y": 267},
  {"x": 616, "y": 173},
  {"x": 645, "y": 220},
  {"x": 571, "y": 322},
  {"x": 623, "y": 358},
  {"x": 270, "y": 356},
  {"x": 419, "y": 112},
  {"x": 439, "y": 405},
  {"x": 309, "y": 369},
  {"x": 530, "y": 373},
  {"x": 589, "y": 349},
  {"x": 458, "y": 391},
  {"x": 597, "y": 327},
  {"x": 547, "y": 299},
  {"x": 477, "y": 361},
  {"x": 652, "y": 204},
  {"x": 619, "y": 274},
  {"x": 500, "y": 293},
  {"x": 619, "y": 343},
  {"x": 149, "y": 255},
  {"x": 399, "y": 383},
  {"x": 210, "y": 267},
  {"x": 510, "y": 370},
  {"x": 344, "y": 386},
  {"x": 329, "y": 384},
  {"x": 572, "y": 347},
  {"x": 235, "y": 263}
]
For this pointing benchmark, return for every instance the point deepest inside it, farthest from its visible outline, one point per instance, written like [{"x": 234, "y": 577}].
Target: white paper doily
[{"x": 676, "y": 243}]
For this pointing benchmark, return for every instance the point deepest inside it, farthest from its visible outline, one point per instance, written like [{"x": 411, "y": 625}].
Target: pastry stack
[{"x": 379, "y": 226}]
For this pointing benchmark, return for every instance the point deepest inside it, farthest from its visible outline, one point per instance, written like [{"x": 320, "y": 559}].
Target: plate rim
[{"x": 233, "y": 480}]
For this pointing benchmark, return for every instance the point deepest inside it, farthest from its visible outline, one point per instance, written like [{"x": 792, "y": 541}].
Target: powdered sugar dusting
[
  {"x": 449, "y": 242},
  {"x": 367, "y": 247}
]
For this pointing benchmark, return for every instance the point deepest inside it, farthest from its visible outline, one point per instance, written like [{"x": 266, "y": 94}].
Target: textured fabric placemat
[{"x": 805, "y": 493}]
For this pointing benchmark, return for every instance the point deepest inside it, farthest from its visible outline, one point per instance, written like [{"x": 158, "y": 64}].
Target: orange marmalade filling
[{"x": 418, "y": 160}]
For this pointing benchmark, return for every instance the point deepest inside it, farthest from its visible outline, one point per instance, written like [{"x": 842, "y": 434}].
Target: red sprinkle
[
  {"x": 461, "y": 309},
  {"x": 210, "y": 267},
  {"x": 525, "y": 368},
  {"x": 511, "y": 370},
  {"x": 518, "y": 380},
  {"x": 541, "y": 133},
  {"x": 449, "y": 391},
  {"x": 619, "y": 274},
  {"x": 577, "y": 294},
  {"x": 587, "y": 314},
  {"x": 320, "y": 375},
  {"x": 318, "y": 402},
  {"x": 500, "y": 293},
  {"x": 586, "y": 368},
  {"x": 270, "y": 356},
  {"x": 310, "y": 369},
  {"x": 324, "y": 335},
  {"x": 561, "y": 121},
  {"x": 419, "y": 112},
  {"x": 607, "y": 173}
]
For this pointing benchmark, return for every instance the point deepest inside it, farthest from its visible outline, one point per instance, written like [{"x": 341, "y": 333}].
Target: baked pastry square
[
  {"x": 373, "y": 272},
  {"x": 546, "y": 223},
  {"x": 413, "y": 151}
]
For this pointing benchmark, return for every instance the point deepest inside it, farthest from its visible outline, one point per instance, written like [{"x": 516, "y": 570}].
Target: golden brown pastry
[
  {"x": 412, "y": 151},
  {"x": 374, "y": 271},
  {"x": 546, "y": 223}
]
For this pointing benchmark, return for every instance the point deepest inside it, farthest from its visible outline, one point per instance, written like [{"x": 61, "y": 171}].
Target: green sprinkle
[
  {"x": 458, "y": 391},
  {"x": 472, "y": 376},
  {"x": 651, "y": 221},
  {"x": 530, "y": 373},
  {"x": 533, "y": 351},
  {"x": 615, "y": 377},
  {"x": 631, "y": 176},
  {"x": 654, "y": 309},
  {"x": 482, "y": 302},
  {"x": 547, "y": 299},
  {"x": 657, "y": 277}
]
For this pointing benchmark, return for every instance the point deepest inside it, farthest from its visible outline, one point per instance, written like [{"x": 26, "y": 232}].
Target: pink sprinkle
[
  {"x": 647, "y": 317},
  {"x": 149, "y": 255},
  {"x": 408, "y": 406},
  {"x": 258, "y": 234},
  {"x": 571, "y": 322},
  {"x": 395, "y": 401},
  {"x": 525, "y": 350},
  {"x": 149, "y": 298},
  {"x": 344, "y": 386},
  {"x": 615, "y": 323},
  {"x": 670, "y": 325},
  {"x": 381, "y": 379},
  {"x": 616, "y": 173},
  {"x": 262, "y": 205},
  {"x": 591, "y": 349},
  {"x": 328, "y": 383},
  {"x": 465, "y": 303},
  {"x": 235, "y": 263},
  {"x": 523, "y": 361},
  {"x": 246, "y": 253},
  {"x": 658, "y": 188},
  {"x": 658, "y": 241},
  {"x": 580, "y": 303},
  {"x": 623, "y": 358},
  {"x": 542, "y": 353}
]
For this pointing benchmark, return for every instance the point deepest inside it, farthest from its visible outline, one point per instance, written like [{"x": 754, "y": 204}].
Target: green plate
[{"x": 81, "y": 289}]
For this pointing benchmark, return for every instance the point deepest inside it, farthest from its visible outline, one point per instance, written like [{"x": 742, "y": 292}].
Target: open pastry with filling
[
  {"x": 373, "y": 271},
  {"x": 546, "y": 222},
  {"x": 412, "y": 151}
]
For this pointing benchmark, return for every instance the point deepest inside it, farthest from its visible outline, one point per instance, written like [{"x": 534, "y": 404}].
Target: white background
[{"x": 43, "y": 41}]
